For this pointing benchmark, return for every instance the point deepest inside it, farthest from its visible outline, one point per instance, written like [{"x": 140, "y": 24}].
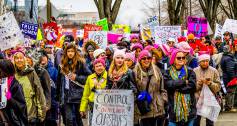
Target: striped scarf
[{"x": 181, "y": 101}]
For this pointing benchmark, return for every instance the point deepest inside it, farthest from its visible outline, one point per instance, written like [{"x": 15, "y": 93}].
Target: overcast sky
[{"x": 130, "y": 12}]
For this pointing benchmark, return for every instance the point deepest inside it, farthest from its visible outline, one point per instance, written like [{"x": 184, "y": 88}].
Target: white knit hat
[
  {"x": 203, "y": 57},
  {"x": 97, "y": 52},
  {"x": 119, "y": 52}
]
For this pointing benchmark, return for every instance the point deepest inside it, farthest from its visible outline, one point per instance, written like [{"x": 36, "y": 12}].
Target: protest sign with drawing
[
  {"x": 90, "y": 27},
  {"x": 152, "y": 23},
  {"x": 10, "y": 33},
  {"x": 163, "y": 33},
  {"x": 121, "y": 29},
  {"x": 99, "y": 37},
  {"x": 197, "y": 26},
  {"x": 218, "y": 30},
  {"x": 113, "y": 107}
]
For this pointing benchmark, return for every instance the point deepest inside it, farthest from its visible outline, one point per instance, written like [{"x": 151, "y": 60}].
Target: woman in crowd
[
  {"x": 89, "y": 48},
  {"x": 149, "y": 75},
  {"x": 95, "y": 81},
  {"x": 33, "y": 91},
  {"x": 180, "y": 84},
  {"x": 15, "y": 113},
  {"x": 130, "y": 60},
  {"x": 119, "y": 76},
  {"x": 72, "y": 75}
]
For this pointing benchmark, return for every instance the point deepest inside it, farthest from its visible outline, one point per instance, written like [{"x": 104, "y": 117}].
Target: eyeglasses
[
  {"x": 146, "y": 58},
  {"x": 180, "y": 58}
]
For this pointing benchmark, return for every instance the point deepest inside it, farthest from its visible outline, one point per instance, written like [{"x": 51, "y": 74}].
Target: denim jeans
[
  {"x": 72, "y": 115},
  {"x": 189, "y": 123}
]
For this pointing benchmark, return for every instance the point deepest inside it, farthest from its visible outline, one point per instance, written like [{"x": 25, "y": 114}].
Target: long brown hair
[{"x": 66, "y": 67}]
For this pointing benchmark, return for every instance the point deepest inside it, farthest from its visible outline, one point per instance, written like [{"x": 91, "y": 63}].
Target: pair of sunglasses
[
  {"x": 146, "y": 58},
  {"x": 180, "y": 58}
]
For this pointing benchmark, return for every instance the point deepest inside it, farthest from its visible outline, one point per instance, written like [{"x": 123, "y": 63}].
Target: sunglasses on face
[
  {"x": 180, "y": 58},
  {"x": 146, "y": 58}
]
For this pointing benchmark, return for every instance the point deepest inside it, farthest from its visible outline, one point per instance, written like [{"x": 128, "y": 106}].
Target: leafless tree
[
  {"x": 176, "y": 11},
  {"x": 230, "y": 8},
  {"x": 108, "y": 9}
]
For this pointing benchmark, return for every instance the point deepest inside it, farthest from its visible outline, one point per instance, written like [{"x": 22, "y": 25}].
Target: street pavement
[{"x": 224, "y": 119}]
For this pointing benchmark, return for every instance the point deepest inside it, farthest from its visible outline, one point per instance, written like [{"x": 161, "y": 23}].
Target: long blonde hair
[{"x": 123, "y": 69}]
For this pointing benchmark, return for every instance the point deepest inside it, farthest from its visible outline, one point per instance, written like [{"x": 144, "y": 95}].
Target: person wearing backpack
[
  {"x": 149, "y": 81},
  {"x": 206, "y": 75},
  {"x": 33, "y": 91},
  {"x": 15, "y": 113}
]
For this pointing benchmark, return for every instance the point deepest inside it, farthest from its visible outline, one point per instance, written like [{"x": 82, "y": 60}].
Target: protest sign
[
  {"x": 113, "y": 108},
  {"x": 197, "y": 26},
  {"x": 103, "y": 23},
  {"x": 3, "y": 89},
  {"x": 121, "y": 29},
  {"x": 163, "y": 33},
  {"x": 218, "y": 30},
  {"x": 113, "y": 37},
  {"x": 29, "y": 29},
  {"x": 145, "y": 32},
  {"x": 99, "y": 37},
  {"x": 10, "y": 33},
  {"x": 230, "y": 25},
  {"x": 39, "y": 35},
  {"x": 90, "y": 27},
  {"x": 153, "y": 22}
]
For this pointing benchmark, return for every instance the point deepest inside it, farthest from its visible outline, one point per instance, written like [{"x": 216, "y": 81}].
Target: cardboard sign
[
  {"x": 103, "y": 23},
  {"x": 197, "y": 26},
  {"x": 3, "y": 90},
  {"x": 163, "y": 33},
  {"x": 113, "y": 108},
  {"x": 90, "y": 27},
  {"x": 29, "y": 29},
  {"x": 10, "y": 33},
  {"x": 99, "y": 37},
  {"x": 113, "y": 37},
  {"x": 230, "y": 25},
  {"x": 121, "y": 29},
  {"x": 218, "y": 30},
  {"x": 145, "y": 33}
]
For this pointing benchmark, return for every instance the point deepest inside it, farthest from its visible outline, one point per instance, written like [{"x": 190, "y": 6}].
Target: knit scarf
[{"x": 181, "y": 101}]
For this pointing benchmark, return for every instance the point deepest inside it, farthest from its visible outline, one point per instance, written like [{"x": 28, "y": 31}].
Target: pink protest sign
[
  {"x": 113, "y": 38},
  {"x": 197, "y": 26}
]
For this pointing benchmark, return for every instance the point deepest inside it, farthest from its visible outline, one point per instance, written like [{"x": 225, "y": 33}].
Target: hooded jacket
[
  {"x": 228, "y": 66},
  {"x": 33, "y": 92}
]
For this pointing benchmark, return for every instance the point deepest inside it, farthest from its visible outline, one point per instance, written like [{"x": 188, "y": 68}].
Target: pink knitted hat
[
  {"x": 99, "y": 60},
  {"x": 166, "y": 49},
  {"x": 119, "y": 52},
  {"x": 184, "y": 47},
  {"x": 203, "y": 55},
  {"x": 135, "y": 46},
  {"x": 149, "y": 47},
  {"x": 143, "y": 54},
  {"x": 131, "y": 56},
  {"x": 173, "y": 55}
]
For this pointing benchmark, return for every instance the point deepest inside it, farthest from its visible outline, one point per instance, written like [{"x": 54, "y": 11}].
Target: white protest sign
[
  {"x": 153, "y": 22},
  {"x": 230, "y": 25},
  {"x": 100, "y": 38},
  {"x": 3, "y": 90},
  {"x": 113, "y": 108},
  {"x": 163, "y": 33},
  {"x": 10, "y": 33},
  {"x": 218, "y": 30}
]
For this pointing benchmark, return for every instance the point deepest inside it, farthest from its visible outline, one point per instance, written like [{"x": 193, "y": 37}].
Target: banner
[
  {"x": 104, "y": 24},
  {"x": 39, "y": 35},
  {"x": 145, "y": 33},
  {"x": 218, "y": 30},
  {"x": 113, "y": 38},
  {"x": 90, "y": 27},
  {"x": 113, "y": 108},
  {"x": 121, "y": 29},
  {"x": 3, "y": 90},
  {"x": 197, "y": 26},
  {"x": 99, "y": 37},
  {"x": 230, "y": 25},
  {"x": 29, "y": 29},
  {"x": 153, "y": 22},
  {"x": 10, "y": 33},
  {"x": 163, "y": 33}
]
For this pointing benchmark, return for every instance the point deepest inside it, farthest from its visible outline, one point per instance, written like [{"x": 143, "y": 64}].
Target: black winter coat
[
  {"x": 180, "y": 85},
  {"x": 75, "y": 92},
  {"x": 127, "y": 81},
  {"x": 228, "y": 66}
]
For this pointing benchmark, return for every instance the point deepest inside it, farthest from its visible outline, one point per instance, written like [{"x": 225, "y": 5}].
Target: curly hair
[
  {"x": 90, "y": 42},
  {"x": 66, "y": 67}
]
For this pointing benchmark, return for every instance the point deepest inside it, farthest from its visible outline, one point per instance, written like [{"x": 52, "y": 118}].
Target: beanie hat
[
  {"x": 181, "y": 39},
  {"x": 98, "y": 52},
  {"x": 48, "y": 46},
  {"x": 110, "y": 47},
  {"x": 143, "y": 54},
  {"x": 68, "y": 38},
  {"x": 99, "y": 60},
  {"x": 173, "y": 55},
  {"x": 184, "y": 47},
  {"x": 226, "y": 49},
  {"x": 130, "y": 56},
  {"x": 135, "y": 46},
  {"x": 166, "y": 49},
  {"x": 119, "y": 52},
  {"x": 156, "y": 46},
  {"x": 90, "y": 47},
  {"x": 171, "y": 40},
  {"x": 149, "y": 47},
  {"x": 191, "y": 36},
  {"x": 203, "y": 56}
]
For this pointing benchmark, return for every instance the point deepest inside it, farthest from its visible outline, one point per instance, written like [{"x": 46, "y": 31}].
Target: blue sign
[{"x": 29, "y": 29}]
